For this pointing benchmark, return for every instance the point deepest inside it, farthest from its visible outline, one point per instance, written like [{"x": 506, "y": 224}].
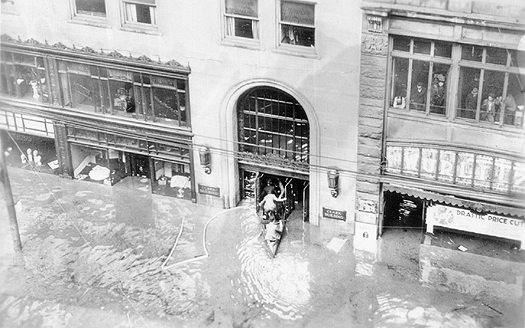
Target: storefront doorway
[
  {"x": 402, "y": 212},
  {"x": 138, "y": 165}
]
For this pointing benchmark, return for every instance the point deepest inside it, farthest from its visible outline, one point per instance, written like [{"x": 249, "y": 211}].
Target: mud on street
[{"x": 97, "y": 256}]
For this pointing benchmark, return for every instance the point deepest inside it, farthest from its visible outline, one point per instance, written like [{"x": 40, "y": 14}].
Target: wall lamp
[
  {"x": 333, "y": 182},
  {"x": 205, "y": 158}
]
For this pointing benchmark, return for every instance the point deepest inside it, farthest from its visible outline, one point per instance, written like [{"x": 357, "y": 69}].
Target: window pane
[
  {"x": 492, "y": 87},
  {"x": 300, "y": 13},
  {"x": 471, "y": 52},
  {"x": 82, "y": 92},
  {"x": 165, "y": 104},
  {"x": 442, "y": 49},
  {"x": 401, "y": 43},
  {"x": 418, "y": 94},
  {"x": 421, "y": 46},
  {"x": 514, "y": 103},
  {"x": 465, "y": 168},
  {"x": 143, "y": 14},
  {"x": 496, "y": 56},
  {"x": 400, "y": 80},
  {"x": 517, "y": 58},
  {"x": 242, "y": 7},
  {"x": 483, "y": 171},
  {"x": 91, "y": 7},
  {"x": 468, "y": 92},
  {"x": 297, "y": 35},
  {"x": 243, "y": 28},
  {"x": 438, "y": 90},
  {"x": 122, "y": 95}
]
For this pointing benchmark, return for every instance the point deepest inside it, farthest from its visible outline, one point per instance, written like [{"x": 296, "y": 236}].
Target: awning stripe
[{"x": 476, "y": 206}]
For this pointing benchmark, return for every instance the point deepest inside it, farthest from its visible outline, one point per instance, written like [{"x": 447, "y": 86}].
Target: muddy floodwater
[{"x": 101, "y": 256}]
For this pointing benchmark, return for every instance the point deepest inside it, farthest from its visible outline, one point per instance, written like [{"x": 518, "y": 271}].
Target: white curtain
[
  {"x": 255, "y": 29},
  {"x": 230, "y": 26},
  {"x": 153, "y": 15},
  {"x": 131, "y": 13}
]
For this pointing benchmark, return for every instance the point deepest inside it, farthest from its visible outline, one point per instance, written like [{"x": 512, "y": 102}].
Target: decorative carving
[
  {"x": 60, "y": 45},
  {"x": 173, "y": 63},
  {"x": 375, "y": 24},
  {"x": 88, "y": 50},
  {"x": 145, "y": 59},
  {"x": 274, "y": 160},
  {"x": 375, "y": 45},
  {"x": 116, "y": 54},
  {"x": 5, "y": 37},
  {"x": 32, "y": 42}
]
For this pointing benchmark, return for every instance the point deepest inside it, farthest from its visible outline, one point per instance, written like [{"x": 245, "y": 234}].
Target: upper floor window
[
  {"x": 421, "y": 70},
  {"x": 488, "y": 89},
  {"x": 23, "y": 76},
  {"x": 124, "y": 93},
  {"x": 90, "y": 7},
  {"x": 139, "y": 14},
  {"x": 241, "y": 19},
  {"x": 297, "y": 23},
  {"x": 490, "y": 86}
]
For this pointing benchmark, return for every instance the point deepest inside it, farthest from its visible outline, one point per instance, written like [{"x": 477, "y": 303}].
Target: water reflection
[{"x": 280, "y": 285}]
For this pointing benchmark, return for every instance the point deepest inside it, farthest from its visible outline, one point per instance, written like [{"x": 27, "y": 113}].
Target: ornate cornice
[{"x": 89, "y": 53}]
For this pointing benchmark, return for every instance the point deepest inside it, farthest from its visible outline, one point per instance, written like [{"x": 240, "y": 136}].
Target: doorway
[
  {"x": 402, "y": 212},
  {"x": 138, "y": 165},
  {"x": 256, "y": 185}
]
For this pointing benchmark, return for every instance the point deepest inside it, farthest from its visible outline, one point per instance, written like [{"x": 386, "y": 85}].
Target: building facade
[
  {"x": 205, "y": 101},
  {"x": 442, "y": 136}
]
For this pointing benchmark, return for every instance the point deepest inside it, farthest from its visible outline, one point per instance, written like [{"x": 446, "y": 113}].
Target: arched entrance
[{"x": 274, "y": 146}]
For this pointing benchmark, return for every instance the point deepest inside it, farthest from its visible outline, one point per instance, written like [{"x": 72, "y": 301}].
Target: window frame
[
  {"x": 234, "y": 40},
  {"x": 301, "y": 50},
  {"x": 453, "y": 103},
  {"x": 139, "y": 27},
  {"x": 93, "y": 20}
]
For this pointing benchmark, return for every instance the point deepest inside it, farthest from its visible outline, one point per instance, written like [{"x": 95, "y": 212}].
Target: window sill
[
  {"x": 242, "y": 43},
  {"x": 141, "y": 29},
  {"x": 301, "y": 51},
  {"x": 102, "y": 23}
]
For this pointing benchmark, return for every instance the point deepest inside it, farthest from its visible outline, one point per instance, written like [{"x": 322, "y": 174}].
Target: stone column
[{"x": 374, "y": 59}]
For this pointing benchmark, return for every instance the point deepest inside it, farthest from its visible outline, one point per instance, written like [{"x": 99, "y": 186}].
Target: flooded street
[{"x": 98, "y": 256}]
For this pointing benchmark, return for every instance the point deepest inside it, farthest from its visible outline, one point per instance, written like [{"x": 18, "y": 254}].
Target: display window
[{"x": 172, "y": 179}]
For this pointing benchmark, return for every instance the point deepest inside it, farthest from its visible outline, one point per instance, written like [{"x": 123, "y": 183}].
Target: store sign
[
  {"x": 212, "y": 191},
  {"x": 334, "y": 214},
  {"x": 466, "y": 220},
  {"x": 457, "y": 167}
]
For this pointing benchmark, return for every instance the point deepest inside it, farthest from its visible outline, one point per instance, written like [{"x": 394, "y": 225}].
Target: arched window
[{"x": 272, "y": 124}]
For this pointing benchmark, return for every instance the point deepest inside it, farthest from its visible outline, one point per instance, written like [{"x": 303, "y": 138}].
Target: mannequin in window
[{"x": 418, "y": 97}]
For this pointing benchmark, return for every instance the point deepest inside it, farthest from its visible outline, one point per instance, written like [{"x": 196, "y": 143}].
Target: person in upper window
[
  {"x": 508, "y": 105},
  {"x": 418, "y": 97},
  {"x": 437, "y": 96},
  {"x": 488, "y": 108},
  {"x": 471, "y": 102}
]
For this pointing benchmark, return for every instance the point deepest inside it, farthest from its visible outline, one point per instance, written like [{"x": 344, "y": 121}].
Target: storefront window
[
  {"x": 123, "y": 93},
  {"x": 24, "y": 76},
  {"x": 172, "y": 179}
]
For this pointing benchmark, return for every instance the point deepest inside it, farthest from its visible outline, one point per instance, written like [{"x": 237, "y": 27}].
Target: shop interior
[
  {"x": 402, "y": 212},
  {"x": 172, "y": 179}
]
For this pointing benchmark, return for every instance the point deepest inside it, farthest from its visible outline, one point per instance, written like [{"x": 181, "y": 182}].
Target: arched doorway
[{"x": 274, "y": 145}]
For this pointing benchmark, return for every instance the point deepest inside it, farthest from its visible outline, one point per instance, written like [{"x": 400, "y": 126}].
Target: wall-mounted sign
[
  {"x": 457, "y": 167},
  {"x": 486, "y": 224},
  {"x": 334, "y": 214},
  {"x": 212, "y": 191}
]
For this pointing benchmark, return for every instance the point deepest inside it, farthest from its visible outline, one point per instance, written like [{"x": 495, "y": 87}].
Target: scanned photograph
[{"x": 262, "y": 163}]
